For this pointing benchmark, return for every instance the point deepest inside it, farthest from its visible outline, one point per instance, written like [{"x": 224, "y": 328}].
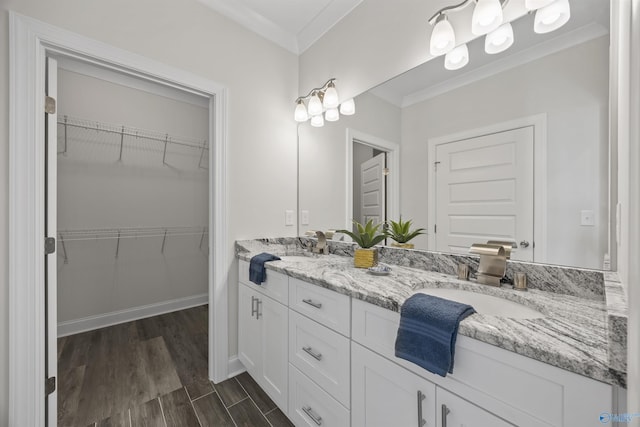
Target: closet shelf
[
  {"x": 127, "y": 134},
  {"x": 117, "y": 234}
]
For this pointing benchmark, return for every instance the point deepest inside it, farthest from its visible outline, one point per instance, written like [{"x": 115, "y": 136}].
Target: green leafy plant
[
  {"x": 367, "y": 235},
  {"x": 401, "y": 231}
]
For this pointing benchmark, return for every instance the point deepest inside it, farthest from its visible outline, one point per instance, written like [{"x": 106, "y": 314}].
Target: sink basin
[{"x": 486, "y": 304}]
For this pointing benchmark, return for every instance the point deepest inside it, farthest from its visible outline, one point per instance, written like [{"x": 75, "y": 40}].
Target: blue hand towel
[
  {"x": 257, "y": 272},
  {"x": 428, "y": 331}
]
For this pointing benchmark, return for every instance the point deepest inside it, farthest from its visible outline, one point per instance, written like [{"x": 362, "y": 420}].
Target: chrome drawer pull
[
  {"x": 421, "y": 397},
  {"x": 315, "y": 417},
  {"x": 312, "y": 303},
  {"x": 312, "y": 353},
  {"x": 258, "y": 310},
  {"x": 445, "y": 412},
  {"x": 254, "y": 309}
]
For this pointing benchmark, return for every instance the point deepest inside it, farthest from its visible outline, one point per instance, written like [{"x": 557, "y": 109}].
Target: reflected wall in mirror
[{"x": 513, "y": 147}]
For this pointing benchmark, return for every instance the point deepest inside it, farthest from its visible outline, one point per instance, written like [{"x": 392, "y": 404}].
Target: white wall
[
  {"x": 323, "y": 170},
  {"x": 95, "y": 190},
  {"x": 186, "y": 35},
  {"x": 571, "y": 87}
]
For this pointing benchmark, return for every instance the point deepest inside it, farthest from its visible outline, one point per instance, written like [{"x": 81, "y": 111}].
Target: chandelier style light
[
  {"x": 488, "y": 21},
  {"x": 322, "y": 100}
]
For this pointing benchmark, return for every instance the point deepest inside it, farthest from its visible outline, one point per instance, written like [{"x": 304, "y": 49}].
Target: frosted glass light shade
[
  {"x": 330, "y": 99},
  {"x": 457, "y": 58},
  {"x": 300, "y": 115},
  {"x": 552, "y": 17},
  {"x": 348, "y": 107},
  {"x": 499, "y": 39},
  {"x": 317, "y": 121},
  {"x": 487, "y": 16},
  {"x": 443, "y": 38},
  {"x": 332, "y": 115},
  {"x": 536, "y": 4},
  {"x": 315, "y": 105}
]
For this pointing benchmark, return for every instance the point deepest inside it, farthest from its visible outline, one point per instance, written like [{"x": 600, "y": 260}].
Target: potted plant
[
  {"x": 401, "y": 233},
  {"x": 367, "y": 236}
]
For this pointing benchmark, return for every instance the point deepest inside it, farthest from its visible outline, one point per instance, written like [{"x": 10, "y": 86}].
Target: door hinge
[
  {"x": 50, "y": 385},
  {"x": 49, "y": 245},
  {"x": 435, "y": 228},
  {"x": 49, "y": 105},
  {"x": 435, "y": 166}
]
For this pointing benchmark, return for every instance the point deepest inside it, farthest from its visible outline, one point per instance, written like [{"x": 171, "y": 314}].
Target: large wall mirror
[{"x": 515, "y": 146}]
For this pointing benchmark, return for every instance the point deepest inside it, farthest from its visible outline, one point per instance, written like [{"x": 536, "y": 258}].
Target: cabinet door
[
  {"x": 248, "y": 330},
  {"x": 453, "y": 411},
  {"x": 384, "y": 394},
  {"x": 273, "y": 319}
]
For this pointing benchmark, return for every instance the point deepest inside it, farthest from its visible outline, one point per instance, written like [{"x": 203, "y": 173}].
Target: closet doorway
[{"x": 34, "y": 151}]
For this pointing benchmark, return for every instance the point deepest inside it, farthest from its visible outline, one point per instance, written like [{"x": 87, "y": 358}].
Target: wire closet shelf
[
  {"x": 128, "y": 134},
  {"x": 118, "y": 234}
]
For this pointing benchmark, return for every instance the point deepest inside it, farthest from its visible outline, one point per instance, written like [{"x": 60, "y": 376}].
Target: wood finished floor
[{"x": 153, "y": 372}]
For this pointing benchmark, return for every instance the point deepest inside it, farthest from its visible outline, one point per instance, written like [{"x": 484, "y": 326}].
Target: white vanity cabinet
[{"x": 263, "y": 334}]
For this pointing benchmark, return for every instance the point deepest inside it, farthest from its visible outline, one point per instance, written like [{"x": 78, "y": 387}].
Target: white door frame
[
  {"x": 30, "y": 42},
  {"x": 393, "y": 179},
  {"x": 539, "y": 123}
]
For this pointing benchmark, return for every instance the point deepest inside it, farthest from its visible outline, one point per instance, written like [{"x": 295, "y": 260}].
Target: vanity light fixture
[
  {"x": 488, "y": 18},
  {"x": 322, "y": 100}
]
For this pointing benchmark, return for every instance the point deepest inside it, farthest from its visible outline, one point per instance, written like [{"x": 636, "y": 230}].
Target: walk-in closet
[{"x": 133, "y": 242}]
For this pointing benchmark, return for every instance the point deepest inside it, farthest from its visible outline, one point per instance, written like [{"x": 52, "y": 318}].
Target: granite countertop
[{"x": 573, "y": 335}]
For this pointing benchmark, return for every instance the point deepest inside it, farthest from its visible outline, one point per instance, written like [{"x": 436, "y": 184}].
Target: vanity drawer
[
  {"x": 322, "y": 354},
  {"x": 276, "y": 285},
  {"x": 311, "y": 406},
  {"x": 322, "y": 305}
]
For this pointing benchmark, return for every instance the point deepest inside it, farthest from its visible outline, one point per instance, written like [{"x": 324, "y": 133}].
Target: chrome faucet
[{"x": 493, "y": 263}]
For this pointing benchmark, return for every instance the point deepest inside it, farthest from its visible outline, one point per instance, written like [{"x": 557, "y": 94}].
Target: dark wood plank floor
[{"x": 153, "y": 372}]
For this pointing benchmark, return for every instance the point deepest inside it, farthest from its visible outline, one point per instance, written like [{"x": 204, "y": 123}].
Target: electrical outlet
[
  {"x": 288, "y": 217},
  {"x": 587, "y": 218},
  {"x": 304, "y": 217}
]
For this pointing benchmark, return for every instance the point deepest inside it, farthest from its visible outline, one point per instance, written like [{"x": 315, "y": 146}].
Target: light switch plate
[
  {"x": 288, "y": 217},
  {"x": 587, "y": 218},
  {"x": 304, "y": 217}
]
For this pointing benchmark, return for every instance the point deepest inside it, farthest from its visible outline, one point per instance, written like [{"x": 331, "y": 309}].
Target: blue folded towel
[
  {"x": 257, "y": 272},
  {"x": 428, "y": 331}
]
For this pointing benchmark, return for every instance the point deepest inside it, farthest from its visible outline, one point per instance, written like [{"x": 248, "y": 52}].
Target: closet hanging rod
[
  {"x": 124, "y": 131},
  {"x": 129, "y": 233}
]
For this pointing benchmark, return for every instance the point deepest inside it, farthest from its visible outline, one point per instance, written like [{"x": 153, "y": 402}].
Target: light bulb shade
[
  {"x": 457, "y": 58},
  {"x": 332, "y": 115},
  {"x": 487, "y": 16},
  {"x": 300, "y": 115},
  {"x": 499, "y": 39},
  {"x": 536, "y": 4},
  {"x": 315, "y": 105},
  {"x": 317, "y": 121},
  {"x": 330, "y": 99},
  {"x": 348, "y": 107},
  {"x": 443, "y": 38},
  {"x": 552, "y": 17}
]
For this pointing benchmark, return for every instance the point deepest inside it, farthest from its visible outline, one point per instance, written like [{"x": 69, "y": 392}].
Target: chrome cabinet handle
[
  {"x": 445, "y": 412},
  {"x": 315, "y": 417},
  {"x": 421, "y": 397},
  {"x": 524, "y": 244},
  {"x": 312, "y": 303},
  {"x": 312, "y": 353},
  {"x": 254, "y": 308},
  {"x": 258, "y": 306}
]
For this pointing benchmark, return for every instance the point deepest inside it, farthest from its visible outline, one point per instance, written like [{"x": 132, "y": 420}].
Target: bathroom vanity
[{"x": 318, "y": 336}]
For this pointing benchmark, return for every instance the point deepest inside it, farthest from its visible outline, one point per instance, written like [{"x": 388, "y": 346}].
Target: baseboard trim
[
  {"x": 70, "y": 327},
  {"x": 235, "y": 367}
]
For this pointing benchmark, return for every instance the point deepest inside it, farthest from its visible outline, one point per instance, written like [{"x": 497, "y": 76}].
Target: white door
[
  {"x": 249, "y": 340},
  {"x": 51, "y": 314},
  {"x": 385, "y": 394},
  {"x": 273, "y": 318},
  {"x": 372, "y": 190},
  {"x": 484, "y": 191},
  {"x": 453, "y": 411}
]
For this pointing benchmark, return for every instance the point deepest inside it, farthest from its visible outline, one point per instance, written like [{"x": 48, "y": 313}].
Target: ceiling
[{"x": 292, "y": 24}]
